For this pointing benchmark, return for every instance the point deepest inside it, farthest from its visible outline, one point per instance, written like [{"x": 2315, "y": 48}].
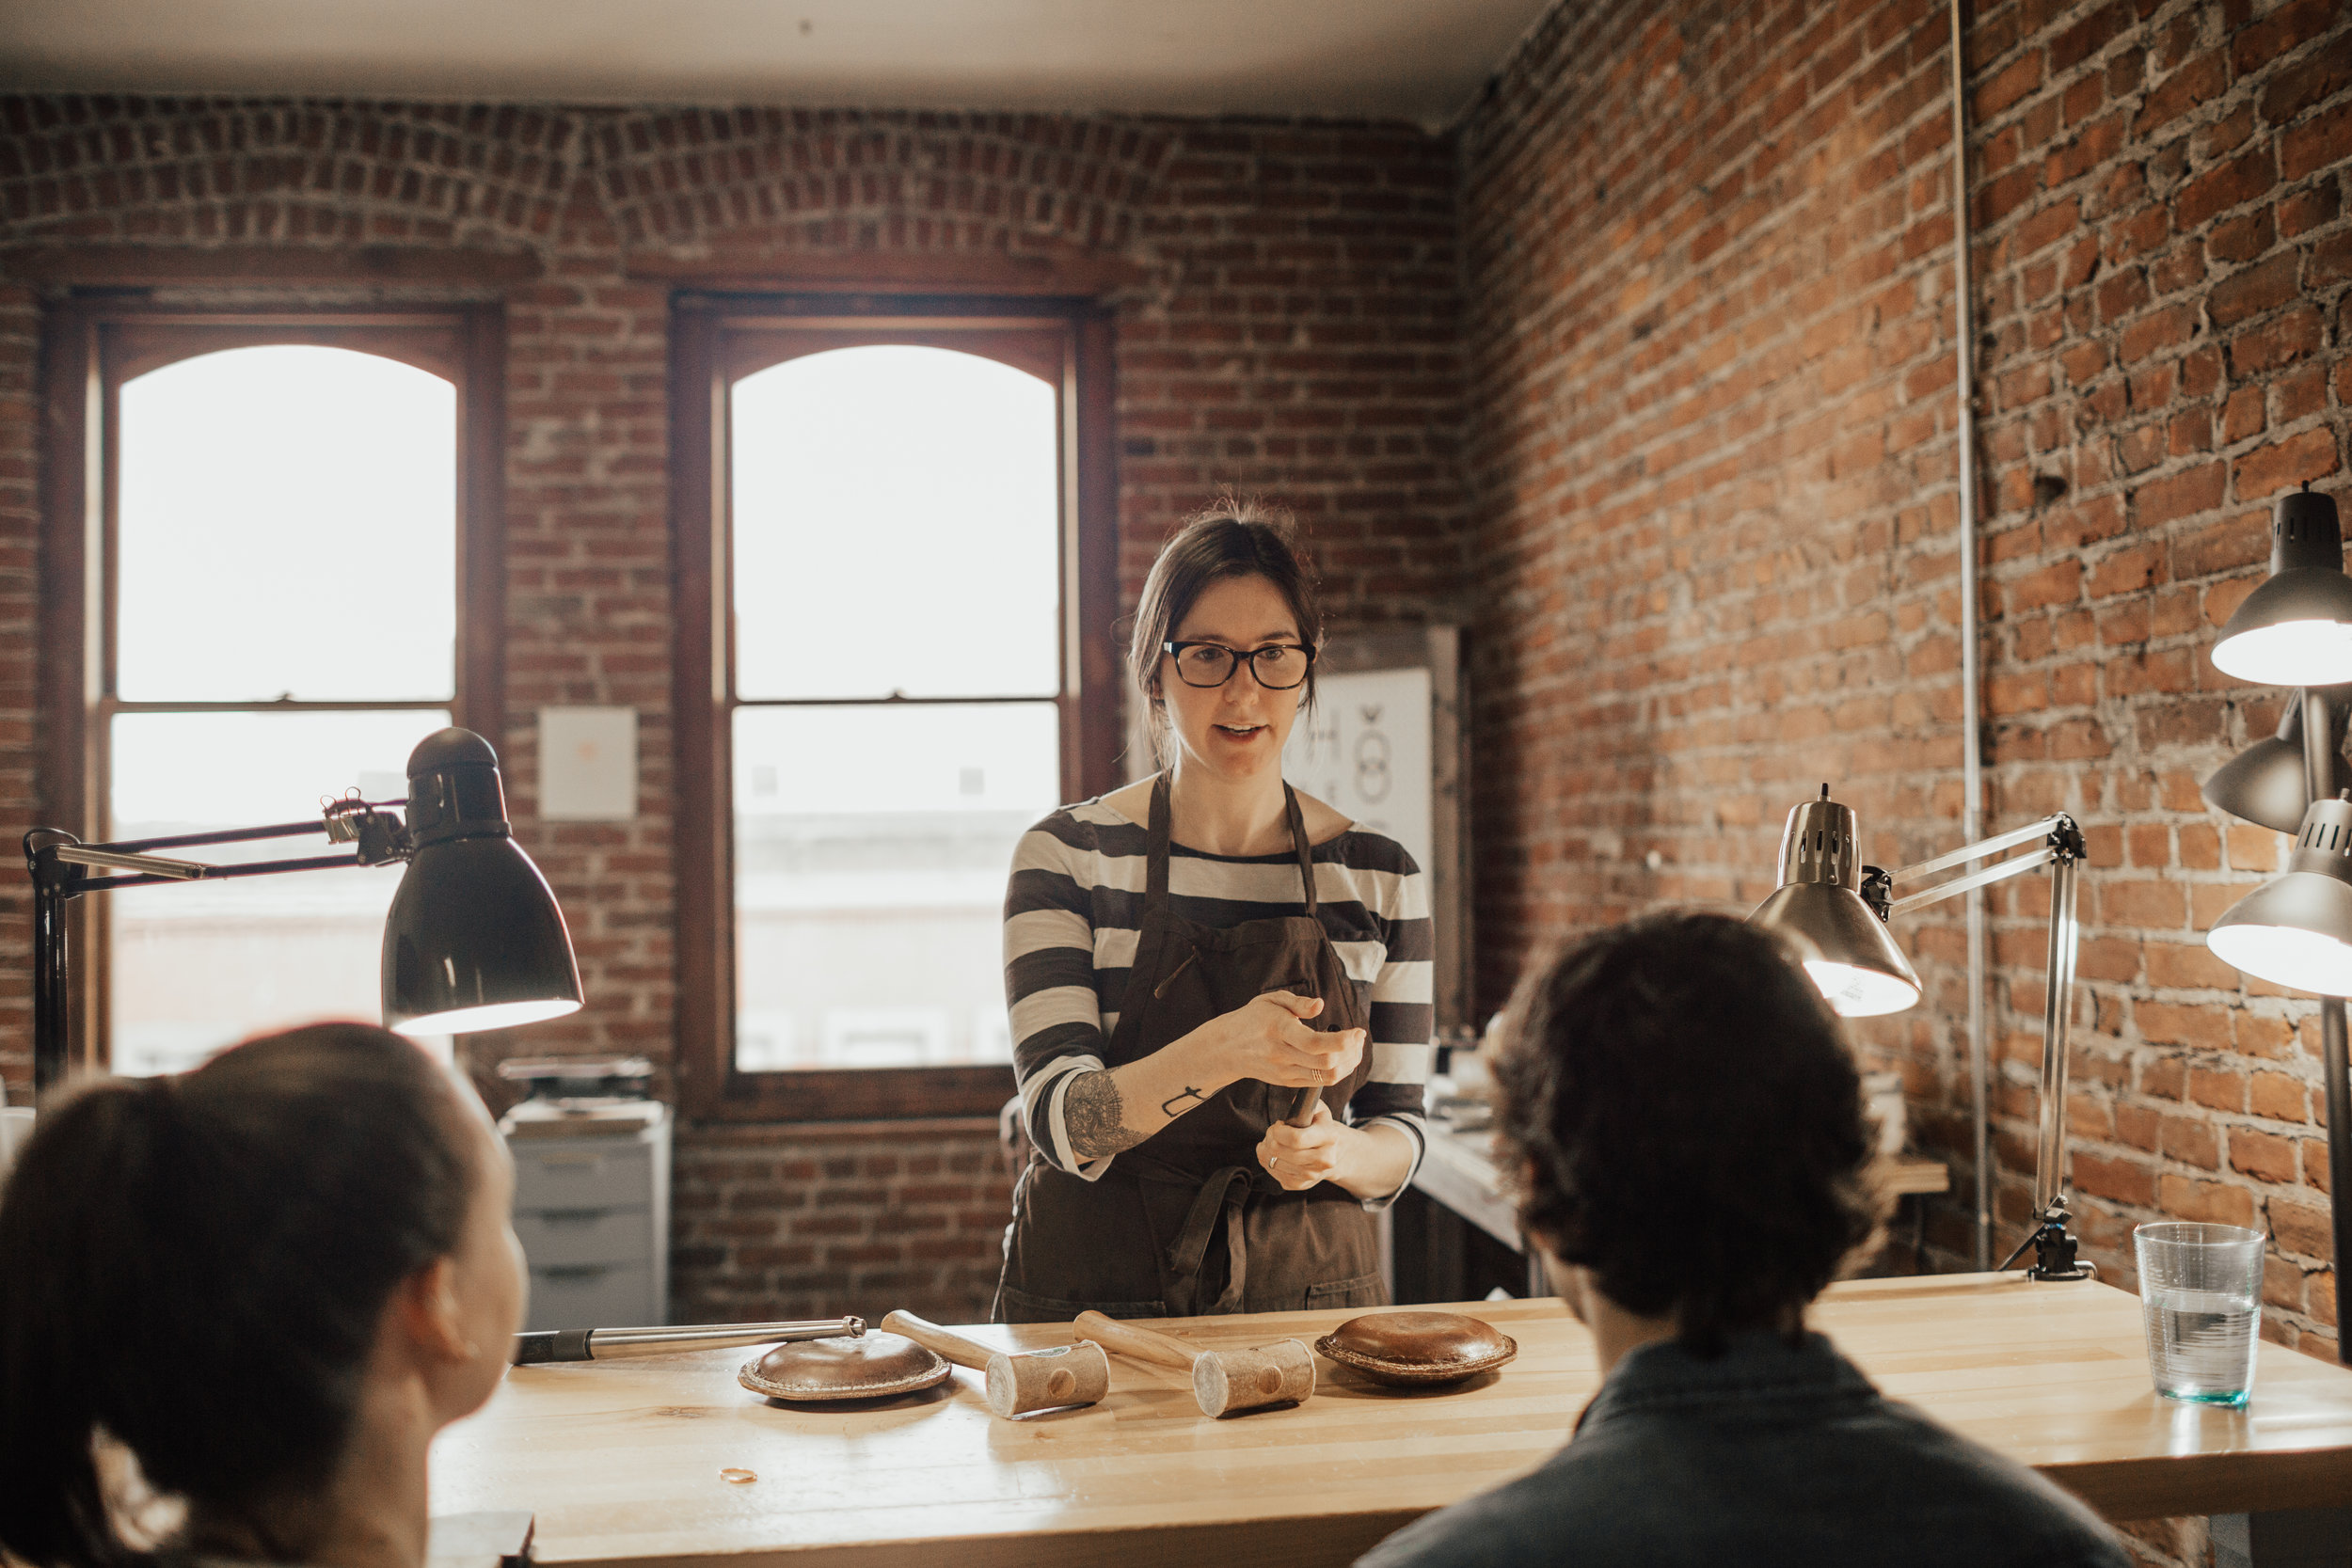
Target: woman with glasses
[{"x": 1219, "y": 987}]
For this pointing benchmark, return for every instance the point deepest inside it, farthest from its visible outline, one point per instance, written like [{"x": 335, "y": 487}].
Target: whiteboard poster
[{"x": 1365, "y": 752}]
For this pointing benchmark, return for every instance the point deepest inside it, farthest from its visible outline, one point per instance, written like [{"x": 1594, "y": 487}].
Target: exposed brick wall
[
  {"x": 870, "y": 1215},
  {"x": 1290, "y": 327}
]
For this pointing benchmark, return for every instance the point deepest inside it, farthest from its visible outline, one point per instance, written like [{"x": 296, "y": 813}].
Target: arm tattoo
[
  {"x": 1096, "y": 1119},
  {"x": 1175, "y": 1106}
]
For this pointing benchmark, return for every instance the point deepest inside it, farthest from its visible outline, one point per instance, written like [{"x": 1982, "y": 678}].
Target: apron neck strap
[
  {"x": 1155, "y": 876},
  {"x": 1299, "y": 841},
  {"x": 1156, "y": 872}
]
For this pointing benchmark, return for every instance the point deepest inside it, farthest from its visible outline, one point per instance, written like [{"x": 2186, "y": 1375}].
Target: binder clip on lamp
[
  {"x": 473, "y": 938},
  {"x": 1836, "y": 912},
  {"x": 2295, "y": 929}
]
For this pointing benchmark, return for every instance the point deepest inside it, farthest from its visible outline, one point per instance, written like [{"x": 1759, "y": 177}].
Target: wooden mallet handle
[
  {"x": 955, "y": 1347},
  {"x": 1164, "y": 1350}
]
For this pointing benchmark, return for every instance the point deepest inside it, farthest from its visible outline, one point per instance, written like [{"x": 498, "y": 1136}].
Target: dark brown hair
[
  {"x": 195, "y": 1266},
  {"x": 1685, "y": 1115},
  {"x": 1232, "y": 539}
]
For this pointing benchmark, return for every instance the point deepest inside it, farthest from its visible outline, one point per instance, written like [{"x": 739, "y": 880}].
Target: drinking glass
[{"x": 2200, "y": 1298}]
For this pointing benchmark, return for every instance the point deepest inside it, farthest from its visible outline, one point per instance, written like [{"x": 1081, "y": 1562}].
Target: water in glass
[{"x": 2200, "y": 1343}]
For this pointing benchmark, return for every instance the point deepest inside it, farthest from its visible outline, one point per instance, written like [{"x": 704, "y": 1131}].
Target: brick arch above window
[
  {"x": 170, "y": 170},
  {"x": 950, "y": 181}
]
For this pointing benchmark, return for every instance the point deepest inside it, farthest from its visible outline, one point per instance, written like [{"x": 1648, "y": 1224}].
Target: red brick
[
  {"x": 2239, "y": 181},
  {"x": 2309, "y": 455},
  {"x": 2262, "y": 1155},
  {"x": 2250, "y": 292}
]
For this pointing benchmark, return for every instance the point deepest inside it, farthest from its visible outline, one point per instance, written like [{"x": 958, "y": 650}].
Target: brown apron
[{"x": 1187, "y": 1222}]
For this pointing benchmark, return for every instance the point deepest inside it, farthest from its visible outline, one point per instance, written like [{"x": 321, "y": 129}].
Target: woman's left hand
[{"x": 1303, "y": 1157}]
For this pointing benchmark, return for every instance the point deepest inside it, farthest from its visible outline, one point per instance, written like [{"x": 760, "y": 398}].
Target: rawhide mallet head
[
  {"x": 1225, "y": 1380},
  {"x": 1019, "y": 1381},
  {"x": 1022, "y": 1381}
]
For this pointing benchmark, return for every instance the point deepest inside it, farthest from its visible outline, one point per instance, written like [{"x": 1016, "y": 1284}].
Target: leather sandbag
[
  {"x": 1418, "y": 1347},
  {"x": 867, "y": 1368}
]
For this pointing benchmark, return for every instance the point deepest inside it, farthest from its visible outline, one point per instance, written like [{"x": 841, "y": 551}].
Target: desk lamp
[
  {"x": 473, "y": 938},
  {"x": 1836, "y": 914},
  {"x": 2295, "y": 929}
]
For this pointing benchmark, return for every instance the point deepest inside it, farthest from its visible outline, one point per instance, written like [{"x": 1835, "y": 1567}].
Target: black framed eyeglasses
[{"x": 1279, "y": 666}]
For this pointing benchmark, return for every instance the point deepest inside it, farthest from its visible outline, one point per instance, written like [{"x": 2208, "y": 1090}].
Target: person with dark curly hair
[{"x": 1685, "y": 1121}]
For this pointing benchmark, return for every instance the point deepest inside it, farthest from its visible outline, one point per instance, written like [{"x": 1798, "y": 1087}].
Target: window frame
[
  {"x": 715, "y": 340},
  {"x": 89, "y": 348}
]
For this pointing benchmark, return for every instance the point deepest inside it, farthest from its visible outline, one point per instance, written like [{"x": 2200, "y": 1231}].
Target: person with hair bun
[
  {"x": 1685, "y": 1121},
  {"x": 248, "y": 1295},
  {"x": 1185, "y": 956}
]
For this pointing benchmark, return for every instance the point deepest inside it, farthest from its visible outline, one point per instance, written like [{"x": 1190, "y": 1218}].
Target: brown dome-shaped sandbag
[
  {"x": 1418, "y": 1347},
  {"x": 867, "y": 1368}
]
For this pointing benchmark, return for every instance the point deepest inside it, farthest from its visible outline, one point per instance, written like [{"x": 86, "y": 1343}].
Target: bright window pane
[
  {"x": 872, "y": 846},
  {"x": 896, "y": 526},
  {"x": 200, "y": 965},
  {"x": 288, "y": 526}
]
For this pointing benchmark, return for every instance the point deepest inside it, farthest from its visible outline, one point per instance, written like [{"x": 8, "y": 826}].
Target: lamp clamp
[
  {"x": 1877, "y": 891},
  {"x": 382, "y": 838},
  {"x": 2054, "y": 1250}
]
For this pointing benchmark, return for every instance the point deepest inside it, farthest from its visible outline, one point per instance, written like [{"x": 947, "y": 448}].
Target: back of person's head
[
  {"x": 196, "y": 1267},
  {"x": 1686, "y": 1118}
]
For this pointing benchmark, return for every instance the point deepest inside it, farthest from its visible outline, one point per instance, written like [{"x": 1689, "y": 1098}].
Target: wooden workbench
[{"x": 621, "y": 1461}]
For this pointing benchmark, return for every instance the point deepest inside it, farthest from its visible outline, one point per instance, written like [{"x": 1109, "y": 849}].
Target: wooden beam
[{"x": 141, "y": 265}]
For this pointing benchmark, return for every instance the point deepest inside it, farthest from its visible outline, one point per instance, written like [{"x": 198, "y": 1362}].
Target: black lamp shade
[
  {"x": 1845, "y": 947},
  {"x": 474, "y": 939},
  {"x": 2265, "y": 782},
  {"x": 2295, "y": 630},
  {"x": 2295, "y": 929}
]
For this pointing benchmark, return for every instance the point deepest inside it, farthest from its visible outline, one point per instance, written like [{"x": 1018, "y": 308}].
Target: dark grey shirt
[{"x": 1769, "y": 1454}]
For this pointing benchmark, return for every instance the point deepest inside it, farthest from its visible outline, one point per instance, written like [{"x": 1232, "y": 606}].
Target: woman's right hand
[{"x": 1267, "y": 1039}]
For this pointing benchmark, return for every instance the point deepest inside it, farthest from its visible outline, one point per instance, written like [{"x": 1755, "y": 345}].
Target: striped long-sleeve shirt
[{"x": 1073, "y": 910}]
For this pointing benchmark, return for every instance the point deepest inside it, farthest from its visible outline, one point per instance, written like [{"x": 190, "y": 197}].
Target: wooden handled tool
[
  {"x": 1223, "y": 1381},
  {"x": 1017, "y": 1380}
]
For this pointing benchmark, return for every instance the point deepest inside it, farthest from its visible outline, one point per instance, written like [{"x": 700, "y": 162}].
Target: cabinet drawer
[
  {"x": 585, "y": 1235},
  {"x": 574, "y": 1177},
  {"x": 591, "y": 1295}
]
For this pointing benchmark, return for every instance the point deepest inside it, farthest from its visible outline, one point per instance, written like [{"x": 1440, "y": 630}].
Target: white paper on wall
[
  {"x": 587, "y": 764},
  {"x": 1365, "y": 752}
]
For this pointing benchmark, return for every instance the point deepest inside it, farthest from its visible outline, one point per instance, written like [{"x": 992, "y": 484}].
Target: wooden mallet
[
  {"x": 1017, "y": 1380},
  {"x": 1223, "y": 1381}
]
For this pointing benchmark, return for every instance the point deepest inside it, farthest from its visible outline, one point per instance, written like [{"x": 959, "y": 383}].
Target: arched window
[
  {"x": 280, "y": 526},
  {"x": 897, "y": 545},
  {"x": 897, "y": 674}
]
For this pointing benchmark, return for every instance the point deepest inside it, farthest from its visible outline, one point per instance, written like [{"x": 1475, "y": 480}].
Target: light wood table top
[{"x": 621, "y": 1461}]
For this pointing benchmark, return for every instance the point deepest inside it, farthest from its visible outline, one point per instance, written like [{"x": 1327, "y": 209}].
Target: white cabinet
[{"x": 592, "y": 1209}]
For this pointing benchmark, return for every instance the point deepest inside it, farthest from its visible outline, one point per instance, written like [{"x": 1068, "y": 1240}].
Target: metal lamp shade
[
  {"x": 474, "y": 939},
  {"x": 1844, "y": 945},
  {"x": 2295, "y": 929},
  {"x": 1845, "y": 948},
  {"x": 2264, "y": 783},
  {"x": 2295, "y": 630}
]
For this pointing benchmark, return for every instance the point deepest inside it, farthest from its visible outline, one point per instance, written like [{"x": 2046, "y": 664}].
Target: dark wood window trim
[
  {"x": 713, "y": 341},
  {"x": 89, "y": 347}
]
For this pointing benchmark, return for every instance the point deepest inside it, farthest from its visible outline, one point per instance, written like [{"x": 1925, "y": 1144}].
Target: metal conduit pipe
[{"x": 1972, "y": 740}]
